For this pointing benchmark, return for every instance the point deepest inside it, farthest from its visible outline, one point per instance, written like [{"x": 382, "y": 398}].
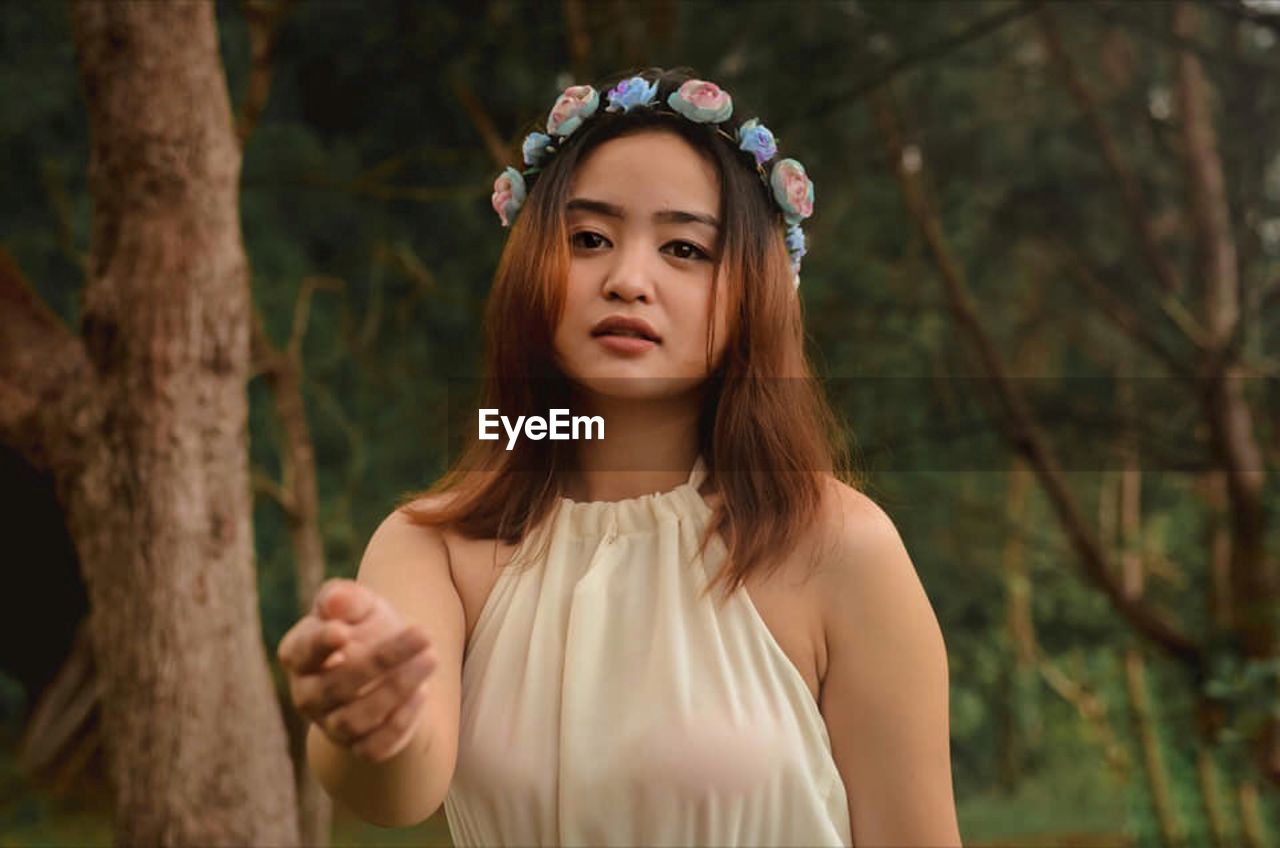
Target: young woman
[{"x": 543, "y": 651}]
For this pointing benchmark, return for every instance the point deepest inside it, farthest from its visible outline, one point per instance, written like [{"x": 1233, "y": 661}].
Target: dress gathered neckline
[
  {"x": 694, "y": 480},
  {"x": 637, "y": 514}
]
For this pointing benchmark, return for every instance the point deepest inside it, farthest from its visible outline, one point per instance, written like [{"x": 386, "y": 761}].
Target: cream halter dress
[{"x": 603, "y": 703}]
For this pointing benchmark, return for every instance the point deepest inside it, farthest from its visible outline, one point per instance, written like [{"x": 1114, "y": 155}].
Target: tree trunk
[
  {"x": 1252, "y": 820},
  {"x": 1172, "y": 832},
  {"x": 1207, "y": 780},
  {"x": 1020, "y": 713},
  {"x": 154, "y": 471},
  {"x": 1021, "y": 719},
  {"x": 1129, "y": 553},
  {"x": 1253, "y": 579}
]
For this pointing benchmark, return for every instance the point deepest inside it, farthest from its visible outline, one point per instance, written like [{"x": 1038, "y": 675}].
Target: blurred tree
[{"x": 141, "y": 419}]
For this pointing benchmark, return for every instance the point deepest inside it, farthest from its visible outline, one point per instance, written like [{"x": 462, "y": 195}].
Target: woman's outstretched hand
[{"x": 357, "y": 670}]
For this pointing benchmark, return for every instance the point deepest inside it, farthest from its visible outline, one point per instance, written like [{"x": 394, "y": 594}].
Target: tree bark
[{"x": 142, "y": 422}]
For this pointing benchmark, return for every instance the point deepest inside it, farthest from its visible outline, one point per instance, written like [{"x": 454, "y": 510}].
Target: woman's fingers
[
  {"x": 345, "y": 600},
  {"x": 389, "y": 738},
  {"x": 309, "y": 643},
  {"x": 366, "y": 714},
  {"x": 335, "y": 687}
]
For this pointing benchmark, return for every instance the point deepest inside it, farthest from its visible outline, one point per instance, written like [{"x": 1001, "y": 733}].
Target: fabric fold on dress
[{"x": 605, "y": 703}]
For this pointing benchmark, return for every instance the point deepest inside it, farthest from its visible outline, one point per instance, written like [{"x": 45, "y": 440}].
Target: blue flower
[
  {"x": 535, "y": 147},
  {"x": 795, "y": 242},
  {"x": 755, "y": 138},
  {"x": 795, "y": 247},
  {"x": 631, "y": 93}
]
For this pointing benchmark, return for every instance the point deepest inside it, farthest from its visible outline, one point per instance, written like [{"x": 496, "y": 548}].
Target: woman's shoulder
[
  {"x": 861, "y": 557},
  {"x": 850, "y": 529},
  {"x": 846, "y": 519},
  {"x": 846, "y": 506},
  {"x": 468, "y": 553},
  {"x": 425, "y": 513}
]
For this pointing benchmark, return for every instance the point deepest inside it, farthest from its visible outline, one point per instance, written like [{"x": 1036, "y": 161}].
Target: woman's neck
[{"x": 649, "y": 446}]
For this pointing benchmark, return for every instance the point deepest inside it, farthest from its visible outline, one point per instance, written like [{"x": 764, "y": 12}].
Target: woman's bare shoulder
[
  {"x": 843, "y": 502},
  {"x": 849, "y": 523},
  {"x": 466, "y": 551}
]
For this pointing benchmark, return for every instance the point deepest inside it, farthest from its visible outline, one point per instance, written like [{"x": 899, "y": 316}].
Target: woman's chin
[{"x": 632, "y": 384}]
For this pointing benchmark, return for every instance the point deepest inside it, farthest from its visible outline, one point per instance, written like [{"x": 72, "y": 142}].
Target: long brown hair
[{"x": 766, "y": 431}]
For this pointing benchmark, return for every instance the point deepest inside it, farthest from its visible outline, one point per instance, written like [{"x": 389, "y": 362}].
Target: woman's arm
[
  {"x": 408, "y": 565},
  {"x": 885, "y": 694}
]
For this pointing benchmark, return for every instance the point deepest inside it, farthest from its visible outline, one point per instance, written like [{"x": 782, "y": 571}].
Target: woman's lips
[{"x": 625, "y": 345}]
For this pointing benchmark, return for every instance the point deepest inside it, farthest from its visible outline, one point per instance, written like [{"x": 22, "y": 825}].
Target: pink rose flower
[
  {"x": 508, "y": 195},
  {"x": 797, "y": 185},
  {"x": 576, "y": 104},
  {"x": 792, "y": 189},
  {"x": 701, "y": 101},
  {"x": 704, "y": 95}
]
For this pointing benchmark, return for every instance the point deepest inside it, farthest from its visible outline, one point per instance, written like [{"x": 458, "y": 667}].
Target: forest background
[{"x": 1042, "y": 287}]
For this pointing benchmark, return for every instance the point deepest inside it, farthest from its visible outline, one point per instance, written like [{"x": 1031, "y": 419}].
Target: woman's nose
[{"x": 630, "y": 278}]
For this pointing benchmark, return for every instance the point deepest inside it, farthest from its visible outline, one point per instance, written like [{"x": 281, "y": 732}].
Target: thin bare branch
[
  {"x": 1135, "y": 206},
  {"x": 1120, "y": 312},
  {"x": 929, "y": 53},
  {"x": 1120, "y": 13},
  {"x": 263, "y": 484},
  {"x": 302, "y": 311},
  {"x": 264, "y": 18},
  {"x": 499, "y": 149},
  {"x": 578, "y": 37},
  {"x": 1177, "y": 312},
  {"x": 1092, "y": 709},
  {"x": 53, "y": 177}
]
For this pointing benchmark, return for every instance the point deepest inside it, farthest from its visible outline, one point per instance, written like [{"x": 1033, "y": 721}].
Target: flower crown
[{"x": 697, "y": 100}]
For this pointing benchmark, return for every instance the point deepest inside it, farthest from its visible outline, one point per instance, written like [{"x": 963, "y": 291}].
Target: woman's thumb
[{"x": 343, "y": 599}]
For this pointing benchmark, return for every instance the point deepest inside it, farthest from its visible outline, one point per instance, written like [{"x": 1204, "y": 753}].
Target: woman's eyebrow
[{"x": 678, "y": 216}]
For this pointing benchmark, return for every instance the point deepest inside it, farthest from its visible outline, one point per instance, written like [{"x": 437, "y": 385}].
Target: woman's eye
[
  {"x": 586, "y": 233},
  {"x": 698, "y": 252}
]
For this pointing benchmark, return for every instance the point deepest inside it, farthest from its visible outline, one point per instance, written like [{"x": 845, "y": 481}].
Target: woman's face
[{"x": 639, "y": 250}]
